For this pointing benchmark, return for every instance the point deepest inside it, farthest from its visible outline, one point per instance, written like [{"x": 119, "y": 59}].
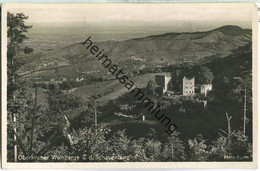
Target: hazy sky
[{"x": 151, "y": 16}]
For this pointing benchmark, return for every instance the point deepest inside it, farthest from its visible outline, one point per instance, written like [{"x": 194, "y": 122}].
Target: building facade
[
  {"x": 188, "y": 86},
  {"x": 205, "y": 89},
  {"x": 163, "y": 81}
]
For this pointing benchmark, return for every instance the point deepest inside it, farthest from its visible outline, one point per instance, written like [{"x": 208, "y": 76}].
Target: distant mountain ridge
[
  {"x": 232, "y": 30},
  {"x": 138, "y": 53}
]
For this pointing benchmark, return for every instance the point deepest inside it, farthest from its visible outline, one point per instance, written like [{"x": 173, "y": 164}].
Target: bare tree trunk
[
  {"x": 15, "y": 138},
  {"x": 172, "y": 149},
  {"x": 33, "y": 120},
  {"x": 244, "y": 131},
  {"x": 229, "y": 128},
  {"x": 14, "y": 121},
  {"x": 95, "y": 117}
]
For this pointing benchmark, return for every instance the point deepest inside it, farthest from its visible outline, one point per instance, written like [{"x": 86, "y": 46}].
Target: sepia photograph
[{"x": 129, "y": 85}]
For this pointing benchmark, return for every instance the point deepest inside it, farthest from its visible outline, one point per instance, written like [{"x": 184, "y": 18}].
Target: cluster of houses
[
  {"x": 189, "y": 88},
  {"x": 58, "y": 80}
]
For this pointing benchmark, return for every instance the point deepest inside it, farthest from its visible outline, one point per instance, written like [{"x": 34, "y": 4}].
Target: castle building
[
  {"x": 188, "y": 86},
  {"x": 163, "y": 81}
]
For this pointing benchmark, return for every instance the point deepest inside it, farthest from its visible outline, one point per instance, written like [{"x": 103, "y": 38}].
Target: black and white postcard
[{"x": 129, "y": 85}]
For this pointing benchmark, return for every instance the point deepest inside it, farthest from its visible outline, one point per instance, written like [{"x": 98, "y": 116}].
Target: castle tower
[
  {"x": 188, "y": 86},
  {"x": 162, "y": 81}
]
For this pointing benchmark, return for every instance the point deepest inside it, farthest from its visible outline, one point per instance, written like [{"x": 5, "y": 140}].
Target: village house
[{"x": 79, "y": 79}]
